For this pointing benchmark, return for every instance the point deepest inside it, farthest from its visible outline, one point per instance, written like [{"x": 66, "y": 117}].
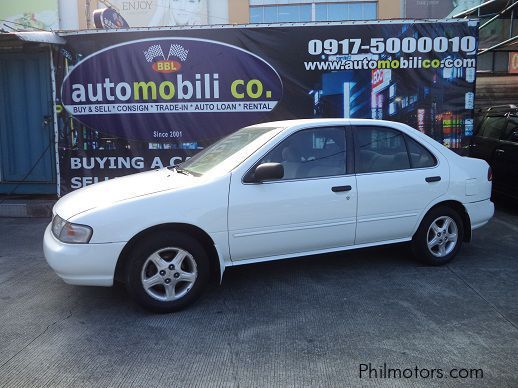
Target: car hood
[{"x": 120, "y": 189}]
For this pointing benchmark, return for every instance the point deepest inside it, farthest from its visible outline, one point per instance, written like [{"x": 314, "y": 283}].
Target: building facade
[{"x": 273, "y": 11}]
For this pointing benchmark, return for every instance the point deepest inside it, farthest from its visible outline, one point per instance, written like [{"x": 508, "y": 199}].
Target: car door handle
[
  {"x": 338, "y": 189},
  {"x": 430, "y": 179},
  {"x": 498, "y": 151}
]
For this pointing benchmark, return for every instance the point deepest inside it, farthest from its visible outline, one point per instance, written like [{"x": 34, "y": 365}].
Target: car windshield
[{"x": 228, "y": 152}]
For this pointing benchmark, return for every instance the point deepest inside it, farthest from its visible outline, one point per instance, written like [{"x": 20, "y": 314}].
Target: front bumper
[
  {"x": 480, "y": 212},
  {"x": 82, "y": 264}
]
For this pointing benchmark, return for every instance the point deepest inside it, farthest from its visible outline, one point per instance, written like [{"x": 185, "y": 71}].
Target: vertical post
[
  {"x": 55, "y": 120},
  {"x": 511, "y": 25},
  {"x": 87, "y": 14}
]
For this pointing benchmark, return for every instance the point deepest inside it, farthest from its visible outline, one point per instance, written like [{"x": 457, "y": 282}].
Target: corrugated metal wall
[{"x": 496, "y": 90}]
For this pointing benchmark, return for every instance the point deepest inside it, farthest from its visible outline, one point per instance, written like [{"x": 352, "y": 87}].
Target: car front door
[
  {"x": 397, "y": 178},
  {"x": 312, "y": 208}
]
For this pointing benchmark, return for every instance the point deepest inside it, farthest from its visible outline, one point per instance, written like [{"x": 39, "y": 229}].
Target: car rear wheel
[
  {"x": 167, "y": 273},
  {"x": 439, "y": 237}
]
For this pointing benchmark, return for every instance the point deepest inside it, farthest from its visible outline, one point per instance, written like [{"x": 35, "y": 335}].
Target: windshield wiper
[{"x": 180, "y": 170}]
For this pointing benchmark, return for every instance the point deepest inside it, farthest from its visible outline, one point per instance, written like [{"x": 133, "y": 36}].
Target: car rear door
[
  {"x": 397, "y": 178},
  {"x": 312, "y": 208},
  {"x": 505, "y": 159},
  {"x": 486, "y": 141}
]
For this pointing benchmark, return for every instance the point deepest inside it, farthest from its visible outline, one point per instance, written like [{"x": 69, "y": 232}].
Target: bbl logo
[{"x": 166, "y": 65}]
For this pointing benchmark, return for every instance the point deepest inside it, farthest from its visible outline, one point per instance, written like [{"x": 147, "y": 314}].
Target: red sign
[
  {"x": 377, "y": 77},
  {"x": 380, "y": 79},
  {"x": 513, "y": 62}
]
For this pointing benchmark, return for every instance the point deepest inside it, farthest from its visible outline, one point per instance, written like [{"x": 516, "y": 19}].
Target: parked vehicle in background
[
  {"x": 267, "y": 192},
  {"x": 496, "y": 141}
]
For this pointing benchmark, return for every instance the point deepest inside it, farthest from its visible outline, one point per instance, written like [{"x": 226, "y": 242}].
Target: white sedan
[{"x": 267, "y": 192}]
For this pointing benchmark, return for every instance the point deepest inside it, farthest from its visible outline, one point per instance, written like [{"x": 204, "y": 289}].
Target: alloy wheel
[
  {"x": 442, "y": 236},
  {"x": 168, "y": 274}
]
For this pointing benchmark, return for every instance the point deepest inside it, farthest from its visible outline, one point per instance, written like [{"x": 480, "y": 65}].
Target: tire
[
  {"x": 439, "y": 236},
  {"x": 167, "y": 272}
]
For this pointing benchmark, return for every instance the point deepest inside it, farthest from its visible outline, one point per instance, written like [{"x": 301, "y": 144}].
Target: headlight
[
  {"x": 68, "y": 232},
  {"x": 57, "y": 225}
]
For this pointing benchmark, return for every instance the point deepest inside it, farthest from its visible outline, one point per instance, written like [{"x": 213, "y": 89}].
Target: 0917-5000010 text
[{"x": 408, "y": 45}]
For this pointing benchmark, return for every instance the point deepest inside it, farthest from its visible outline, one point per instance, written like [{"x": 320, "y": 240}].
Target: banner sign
[
  {"x": 166, "y": 88},
  {"x": 109, "y": 18},
  {"x": 132, "y": 101},
  {"x": 513, "y": 62},
  {"x": 157, "y": 13}
]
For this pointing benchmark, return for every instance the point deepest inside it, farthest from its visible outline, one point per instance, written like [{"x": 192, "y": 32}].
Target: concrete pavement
[{"x": 303, "y": 322}]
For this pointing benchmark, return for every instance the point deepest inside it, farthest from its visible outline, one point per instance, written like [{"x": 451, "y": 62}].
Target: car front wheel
[
  {"x": 166, "y": 274},
  {"x": 439, "y": 237}
]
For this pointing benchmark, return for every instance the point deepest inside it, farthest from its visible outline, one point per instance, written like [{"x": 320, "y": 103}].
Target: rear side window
[
  {"x": 380, "y": 149},
  {"x": 420, "y": 157},
  {"x": 386, "y": 149},
  {"x": 493, "y": 127},
  {"x": 512, "y": 129}
]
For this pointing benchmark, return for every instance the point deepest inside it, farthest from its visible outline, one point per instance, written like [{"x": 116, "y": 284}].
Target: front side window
[
  {"x": 311, "y": 153},
  {"x": 380, "y": 149}
]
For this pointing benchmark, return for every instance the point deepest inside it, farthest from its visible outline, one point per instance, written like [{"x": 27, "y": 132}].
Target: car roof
[
  {"x": 501, "y": 110},
  {"x": 326, "y": 121}
]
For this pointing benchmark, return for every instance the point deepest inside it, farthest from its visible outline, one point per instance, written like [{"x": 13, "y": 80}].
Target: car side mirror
[{"x": 266, "y": 172}]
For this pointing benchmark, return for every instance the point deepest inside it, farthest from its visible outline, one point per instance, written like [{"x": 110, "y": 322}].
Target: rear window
[
  {"x": 493, "y": 127},
  {"x": 512, "y": 127}
]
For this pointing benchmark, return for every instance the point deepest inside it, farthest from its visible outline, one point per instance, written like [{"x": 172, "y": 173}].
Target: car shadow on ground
[
  {"x": 243, "y": 285},
  {"x": 250, "y": 278}
]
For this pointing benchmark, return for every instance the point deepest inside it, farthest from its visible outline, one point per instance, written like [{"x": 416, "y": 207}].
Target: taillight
[{"x": 489, "y": 174}]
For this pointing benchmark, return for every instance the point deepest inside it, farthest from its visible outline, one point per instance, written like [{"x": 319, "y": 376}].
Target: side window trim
[
  {"x": 349, "y": 162},
  {"x": 409, "y": 158}
]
